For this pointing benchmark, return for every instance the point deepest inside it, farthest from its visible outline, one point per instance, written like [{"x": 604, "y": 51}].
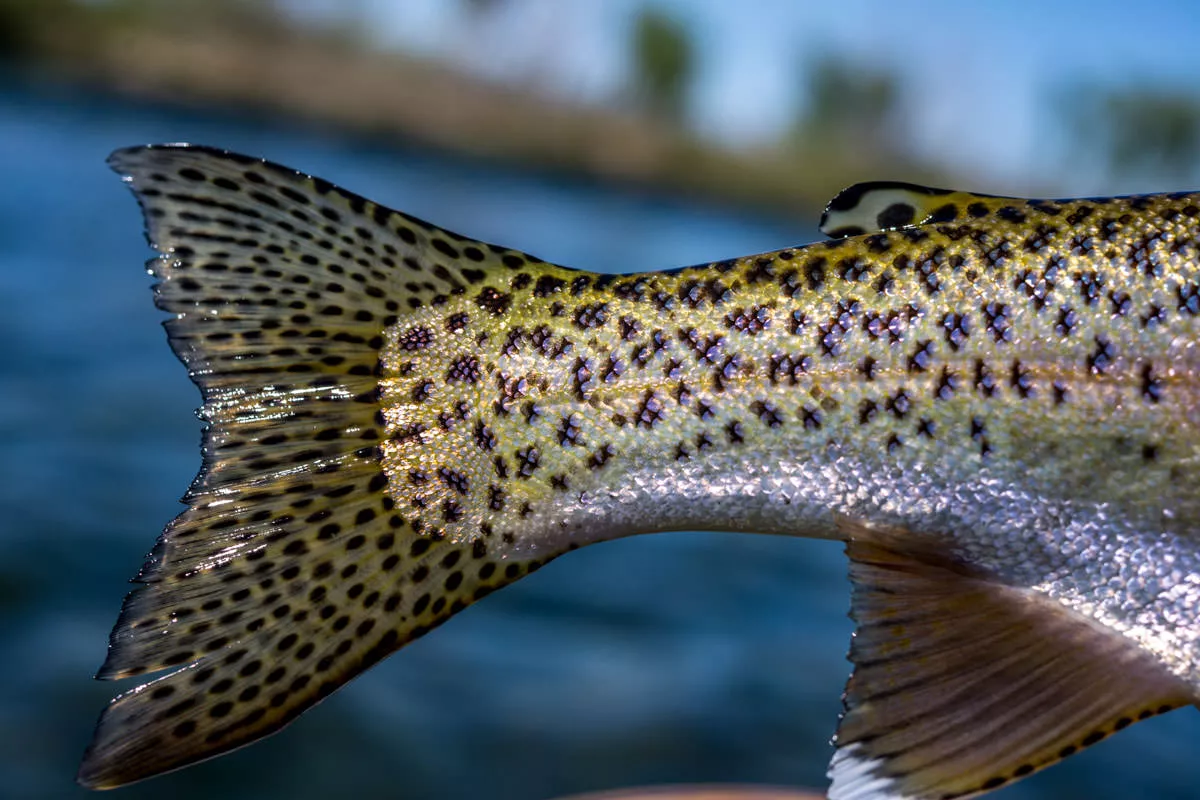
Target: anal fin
[{"x": 962, "y": 684}]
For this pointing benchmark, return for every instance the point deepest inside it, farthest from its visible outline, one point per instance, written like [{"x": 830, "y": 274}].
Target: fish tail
[{"x": 295, "y": 565}]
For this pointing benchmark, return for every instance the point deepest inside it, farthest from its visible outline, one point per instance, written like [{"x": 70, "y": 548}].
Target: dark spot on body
[
  {"x": 528, "y": 460},
  {"x": 922, "y": 356},
  {"x": 1011, "y": 214},
  {"x": 942, "y": 214},
  {"x": 899, "y": 404},
  {"x": 1022, "y": 379},
  {"x": 493, "y": 301},
  {"x": 591, "y": 316},
  {"x": 416, "y": 338},
  {"x": 465, "y": 369},
  {"x": 1102, "y": 356},
  {"x": 650, "y": 411},
  {"x": 767, "y": 413},
  {"x": 998, "y": 320},
  {"x": 985, "y": 381},
  {"x": 1152, "y": 386}
]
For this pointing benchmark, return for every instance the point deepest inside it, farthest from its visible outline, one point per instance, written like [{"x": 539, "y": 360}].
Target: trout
[{"x": 991, "y": 401}]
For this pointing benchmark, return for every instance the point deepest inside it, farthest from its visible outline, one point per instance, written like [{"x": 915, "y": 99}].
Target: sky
[{"x": 983, "y": 80}]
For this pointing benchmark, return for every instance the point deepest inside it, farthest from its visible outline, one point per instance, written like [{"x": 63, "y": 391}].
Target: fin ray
[
  {"x": 962, "y": 685},
  {"x": 293, "y": 567}
]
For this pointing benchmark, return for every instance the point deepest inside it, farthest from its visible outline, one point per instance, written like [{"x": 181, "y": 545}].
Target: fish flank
[{"x": 400, "y": 420}]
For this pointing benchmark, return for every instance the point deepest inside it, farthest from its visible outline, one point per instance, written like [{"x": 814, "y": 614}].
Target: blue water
[{"x": 670, "y": 658}]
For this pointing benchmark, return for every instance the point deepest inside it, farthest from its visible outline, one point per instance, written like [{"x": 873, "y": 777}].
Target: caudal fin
[{"x": 300, "y": 561}]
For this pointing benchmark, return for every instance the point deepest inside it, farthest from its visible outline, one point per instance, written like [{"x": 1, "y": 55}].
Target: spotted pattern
[
  {"x": 287, "y": 294},
  {"x": 406, "y": 419}
]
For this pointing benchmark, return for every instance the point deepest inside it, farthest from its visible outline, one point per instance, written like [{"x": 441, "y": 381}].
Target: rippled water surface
[{"x": 669, "y": 658}]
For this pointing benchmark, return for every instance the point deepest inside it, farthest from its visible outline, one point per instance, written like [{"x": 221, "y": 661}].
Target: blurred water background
[{"x": 616, "y": 137}]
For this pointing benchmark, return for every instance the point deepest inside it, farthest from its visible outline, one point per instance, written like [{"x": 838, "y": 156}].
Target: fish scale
[
  {"x": 935, "y": 353},
  {"x": 991, "y": 400}
]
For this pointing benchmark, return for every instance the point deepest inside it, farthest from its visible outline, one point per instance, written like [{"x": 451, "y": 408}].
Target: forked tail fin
[{"x": 295, "y": 566}]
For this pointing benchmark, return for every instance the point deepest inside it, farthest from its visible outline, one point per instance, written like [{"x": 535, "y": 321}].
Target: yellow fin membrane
[
  {"x": 293, "y": 569},
  {"x": 962, "y": 685}
]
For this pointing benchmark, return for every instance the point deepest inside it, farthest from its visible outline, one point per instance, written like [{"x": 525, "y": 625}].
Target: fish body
[{"x": 992, "y": 401}]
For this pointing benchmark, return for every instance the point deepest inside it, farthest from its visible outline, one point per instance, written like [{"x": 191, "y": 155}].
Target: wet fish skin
[{"x": 993, "y": 404}]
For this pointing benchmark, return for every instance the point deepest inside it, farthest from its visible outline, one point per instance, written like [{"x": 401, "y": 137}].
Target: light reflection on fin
[{"x": 962, "y": 685}]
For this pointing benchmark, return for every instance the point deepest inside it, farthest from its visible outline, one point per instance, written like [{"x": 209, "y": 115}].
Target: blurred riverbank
[
  {"x": 244, "y": 57},
  {"x": 683, "y": 657}
]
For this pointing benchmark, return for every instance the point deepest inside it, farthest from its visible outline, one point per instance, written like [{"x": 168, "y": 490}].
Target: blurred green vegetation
[
  {"x": 1141, "y": 132},
  {"x": 848, "y": 105},
  {"x": 262, "y": 56},
  {"x": 484, "y": 6},
  {"x": 26, "y": 25},
  {"x": 663, "y": 61},
  {"x": 71, "y": 31},
  {"x": 327, "y": 68}
]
